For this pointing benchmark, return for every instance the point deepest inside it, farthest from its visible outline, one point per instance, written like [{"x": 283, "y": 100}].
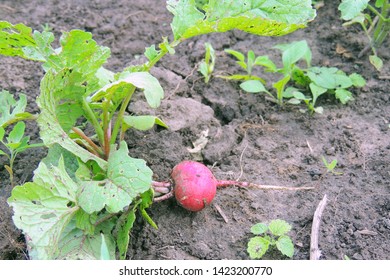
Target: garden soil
[{"x": 244, "y": 136}]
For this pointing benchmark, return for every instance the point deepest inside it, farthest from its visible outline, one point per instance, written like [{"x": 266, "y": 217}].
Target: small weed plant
[
  {"x": 300, "y": 84},
  {"x": 330, "y": 166},
  {"x": 206, "y": 66},
  {"x": 272, "y": 235},
  {"x": 374, "y": 20},
  {"x": 12, "y": 112},
  {"x": 84, "y": 196}
]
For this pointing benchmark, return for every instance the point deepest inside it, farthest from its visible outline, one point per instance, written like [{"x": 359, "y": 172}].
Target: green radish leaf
[
  {"x": 2, "y": 153},
  {"x": 360, "y": 18},
  {"x": 117, "y": 90},
  {"x": 44, "y": 207},
  {"x": 257, "y": 247},
  {"x": 265, "y": 18},
  {"x": 43, "y": 49},
  {"x": 51, "y": 128},
  {"x": 13, "y": 38},
  {"x": 55, "y": 153},
  {"x": 253, "y": 86},
  {"x": 124, "y": 226},
  {"x": 343, "y": 95},
  {"x": 126, "y": 179},
  {"x": 146, "y": 202},
  {"x": 285, "y": 246},
  {"x": 12, "y": 111},
  {"x": 104, "y": 76},
  {"x": 104, "y": 251},
  {"x": 279, "y": 227},
  {"x": 141, "y": 122},
  {"x": 351, "y": 8},
  {"x": 259, "y": 228},
  {"x": 376, "y": 61},
  {"x": 85, "y": 221},
  {"x": 16, "y": 134},
  {"x": 80, "y": 53},
  {"x": 75, "y": 245},
  {"x": 357, "y": 80}
]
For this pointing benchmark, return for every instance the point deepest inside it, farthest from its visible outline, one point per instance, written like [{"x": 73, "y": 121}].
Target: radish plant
[
  {"x": 85, "y": 194},
  {"x": 374, "y": 20}
]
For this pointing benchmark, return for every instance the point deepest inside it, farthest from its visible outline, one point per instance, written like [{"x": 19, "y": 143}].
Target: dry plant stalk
[{"x": 315, "y": 252}]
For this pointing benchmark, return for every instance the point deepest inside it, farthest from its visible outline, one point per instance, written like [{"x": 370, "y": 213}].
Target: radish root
[{"x": 166, "y": 190}]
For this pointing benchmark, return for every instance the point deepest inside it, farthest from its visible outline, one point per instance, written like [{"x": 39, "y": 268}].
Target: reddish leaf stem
[{"x": 89, "y": 141}]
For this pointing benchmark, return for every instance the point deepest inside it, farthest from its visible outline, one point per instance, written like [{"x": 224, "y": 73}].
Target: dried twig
[
  {"x": 315, "y": 252},
  {"x": 225, "y": 218}
]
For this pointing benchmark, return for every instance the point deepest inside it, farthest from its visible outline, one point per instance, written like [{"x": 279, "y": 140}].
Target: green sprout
[
  {"x": 330, "y": 166},
  {"x": 207, "y": 65}
]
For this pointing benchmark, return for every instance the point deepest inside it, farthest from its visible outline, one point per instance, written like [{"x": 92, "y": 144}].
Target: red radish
[{"x": 195, "y": 186}]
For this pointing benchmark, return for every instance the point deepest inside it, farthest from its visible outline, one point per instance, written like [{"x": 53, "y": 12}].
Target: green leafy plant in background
[
  {"x": 375, "y": 21},
  {"x": 206, "y": 67},
  {"x": 84, "y": 196},
  {"x": 13, "y": 112},
  {"x": 272, "y": 235},
  {"x": 303, "y": 83}
]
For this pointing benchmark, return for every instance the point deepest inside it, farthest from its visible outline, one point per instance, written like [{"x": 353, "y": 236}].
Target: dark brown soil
[{"x": 248, "y": 137}]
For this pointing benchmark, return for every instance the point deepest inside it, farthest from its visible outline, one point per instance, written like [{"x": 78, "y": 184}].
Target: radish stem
[
  {"x": 164, "y": 197},
  {"x": 161, "y": 184}
]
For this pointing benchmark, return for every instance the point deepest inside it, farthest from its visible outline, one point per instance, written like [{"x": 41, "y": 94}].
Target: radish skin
[{"x": 195, "y": 185}]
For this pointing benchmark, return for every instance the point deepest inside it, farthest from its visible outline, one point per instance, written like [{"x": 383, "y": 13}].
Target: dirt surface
[{"x": 249, "y": 138}]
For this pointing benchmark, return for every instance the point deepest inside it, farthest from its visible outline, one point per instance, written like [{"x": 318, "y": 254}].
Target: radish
[{"x": 195, "y": 186}]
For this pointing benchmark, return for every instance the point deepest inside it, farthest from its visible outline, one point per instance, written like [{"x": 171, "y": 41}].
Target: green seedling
[
  {"x": 272, "y": 235},
  {"x": 11, "y": 112},
  {"x": 376, "y": 29},
  {"x": 92, "y": 183},
  {"x": 298, "y": 79},
  {"x": 247, "y": 63},
  {"x": 15, "y": 143},
  {"x": 330, "y": 166},
  {"x": 207, "y": 65}
]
